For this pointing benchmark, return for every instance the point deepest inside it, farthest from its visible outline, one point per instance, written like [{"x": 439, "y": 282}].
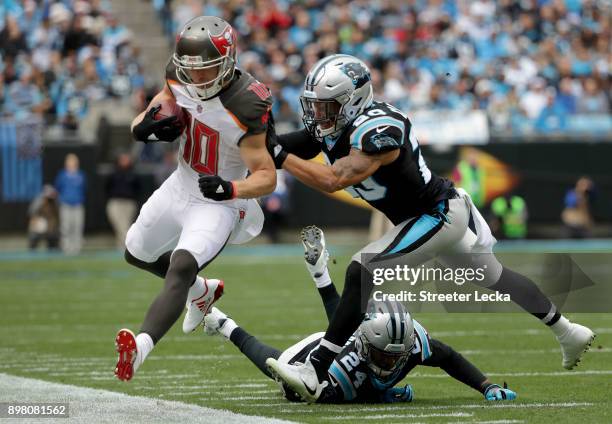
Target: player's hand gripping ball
[{"x": 165, "y": 121}]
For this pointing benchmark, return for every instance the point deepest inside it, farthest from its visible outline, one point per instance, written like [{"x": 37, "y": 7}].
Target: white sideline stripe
[
  {"x": 488, "y": 422},
  {"x": 528, "y": 351},
  {"x": 484, "y": 405},
  {"x": 523, "y": 374},
  {"x": 382, "y": 416},
  {"x": 93, "y": 405},
  {"x": 525, "y": 332}
]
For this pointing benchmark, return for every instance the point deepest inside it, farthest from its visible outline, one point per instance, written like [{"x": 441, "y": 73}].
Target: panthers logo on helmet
[{"x": 357, "y": 73}]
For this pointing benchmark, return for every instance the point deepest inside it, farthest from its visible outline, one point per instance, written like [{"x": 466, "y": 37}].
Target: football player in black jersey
[
  {"x": 386, "y": 347},
  {"x": 371, "y": 151}
]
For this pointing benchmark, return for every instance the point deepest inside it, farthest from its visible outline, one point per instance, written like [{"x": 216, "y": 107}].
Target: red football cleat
[{"x": 125, "y": 343}]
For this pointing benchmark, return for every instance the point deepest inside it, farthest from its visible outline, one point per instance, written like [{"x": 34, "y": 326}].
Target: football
[{"x": 169, "y": 107}]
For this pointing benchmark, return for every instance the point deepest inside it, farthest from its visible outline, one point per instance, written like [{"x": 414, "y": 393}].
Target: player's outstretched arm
[
  {"x": 347, "y": 171},
  {"x": 455, "y": 365}
]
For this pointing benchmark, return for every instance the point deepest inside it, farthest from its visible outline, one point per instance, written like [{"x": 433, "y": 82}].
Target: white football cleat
[
  {"x": 302, "y": 379},
  {"x": 214, "y": 321},
  {"x": 576, "y": 340},
  {"x": 198, "y": 308},
  {"x": 315, "y": 253}
]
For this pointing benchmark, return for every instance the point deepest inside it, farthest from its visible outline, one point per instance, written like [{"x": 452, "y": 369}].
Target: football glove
[
  {"x": 495, "y": 392},
  {"x": 216, "y": 188},
  {"x": 149, "y": 129},
  {"x": 398, "y": 394}
]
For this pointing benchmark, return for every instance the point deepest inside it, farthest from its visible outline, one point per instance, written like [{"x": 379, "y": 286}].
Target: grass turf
[{"x": 58, "y": 320}]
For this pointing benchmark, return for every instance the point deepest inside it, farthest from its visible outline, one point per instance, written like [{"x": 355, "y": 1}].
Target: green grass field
[{"x": 58, "y": 318}]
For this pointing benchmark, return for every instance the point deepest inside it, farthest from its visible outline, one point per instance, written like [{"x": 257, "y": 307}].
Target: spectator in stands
[
  {"x": 12, "y": 40},
  {"x": 44, "y": 219},
  {"x": 55, "y": 42},
  {"x": 23, "y": 98},
  {"x": 70, "y": 184},
  {"x": 592, "y": 100},
  {"x": 493, "y": 51},
  {"x": 577, "y": 215},
  {"x": 509, "y": 217},
  {"x": 122, "y": 192}
]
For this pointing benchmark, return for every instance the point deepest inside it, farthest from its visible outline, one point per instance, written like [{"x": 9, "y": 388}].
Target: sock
[
  {"x": 256, "y": 351},
  {"x": 323, "y": 279},
  {"x": 144, "y": 346},
  {"x": 228, "y": 328},
  {"x": 331, "y": 298},
  {"x": 527, "y": 295},
  {"x": 561, "y": 326},
  {"x": 197, "y": 289}
]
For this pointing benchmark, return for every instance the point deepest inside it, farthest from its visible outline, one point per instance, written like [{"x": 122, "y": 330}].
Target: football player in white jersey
[{"x": 209, "y": 200}]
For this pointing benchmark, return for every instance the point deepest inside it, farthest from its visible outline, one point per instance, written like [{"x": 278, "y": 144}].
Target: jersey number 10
[{"x": 201, "y": 150}]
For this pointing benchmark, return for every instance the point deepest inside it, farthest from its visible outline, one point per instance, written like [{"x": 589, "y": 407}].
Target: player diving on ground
[
  {"x": 387, "y": 345},
  {"x": 371, "y": 151}
]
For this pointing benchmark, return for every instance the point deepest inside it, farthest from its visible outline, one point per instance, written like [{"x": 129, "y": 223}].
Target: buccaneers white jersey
[{"x": 210, "y": 144}]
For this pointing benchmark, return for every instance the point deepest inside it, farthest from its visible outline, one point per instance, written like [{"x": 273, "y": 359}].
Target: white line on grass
[
  {"x": 488, "y": 422},
  {"x": 523, "y": 374},
  {"x": 103, "y": 406},
  {"x": 483, "y": 405},
  {"x": 383, "y": 416}
]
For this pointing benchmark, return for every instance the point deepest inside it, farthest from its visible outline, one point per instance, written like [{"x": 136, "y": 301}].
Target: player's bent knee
[{"x": 183, "y": 267}]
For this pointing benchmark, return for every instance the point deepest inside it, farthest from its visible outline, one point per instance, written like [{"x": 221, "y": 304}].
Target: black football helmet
[{"x": 205, "y": 43}]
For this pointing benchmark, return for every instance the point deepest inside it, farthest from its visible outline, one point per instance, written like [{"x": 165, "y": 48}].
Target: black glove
[
  {"x": 216, "y": 188},
  {"x": 274, "y": 148},
  {"x": 149, "y": 129}
]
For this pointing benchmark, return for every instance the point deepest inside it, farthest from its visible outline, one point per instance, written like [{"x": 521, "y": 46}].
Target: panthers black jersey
[
  {"x": 351, "y": 379},
  {"x": 403, "y": 188}
]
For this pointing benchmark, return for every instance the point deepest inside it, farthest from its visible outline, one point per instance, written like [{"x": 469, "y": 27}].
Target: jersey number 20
[{"x": 201, "y": 150}]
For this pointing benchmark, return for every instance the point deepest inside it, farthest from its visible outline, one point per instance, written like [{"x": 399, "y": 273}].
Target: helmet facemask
[
  {"x": 191, "y": 71},
  {"x": 384, "y": 364},
  {"x": 323, "y": 118}
]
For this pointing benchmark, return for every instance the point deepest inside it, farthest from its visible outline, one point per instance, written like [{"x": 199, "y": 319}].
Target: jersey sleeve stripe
[
  {"x": 237, "y": 121},
  {"x": 357, "y": 135},
  {"x": 422, "y": 334},
  {"x": 343, "y": 379}
]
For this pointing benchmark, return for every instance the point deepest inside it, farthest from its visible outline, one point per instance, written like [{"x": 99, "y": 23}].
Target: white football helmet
[
  {"x": 385, "y": 338},
  {"x": 337, "y": 90}
]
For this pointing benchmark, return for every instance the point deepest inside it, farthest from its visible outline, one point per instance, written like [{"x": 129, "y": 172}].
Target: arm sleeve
[
  {"x": 455, "y": 365},
  {"x": 331, "y": 298},
  {"x": 300, "y": 143}
]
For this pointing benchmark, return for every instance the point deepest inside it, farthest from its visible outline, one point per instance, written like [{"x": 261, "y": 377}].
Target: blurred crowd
[
  {"x": 57, "y": 57},
  {"x": 531, "y": 65}
]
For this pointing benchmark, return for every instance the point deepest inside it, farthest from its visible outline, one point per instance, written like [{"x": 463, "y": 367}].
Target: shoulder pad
[
  {"x": 249, "y": 101},
  {"x": 378, "y": 134}
]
